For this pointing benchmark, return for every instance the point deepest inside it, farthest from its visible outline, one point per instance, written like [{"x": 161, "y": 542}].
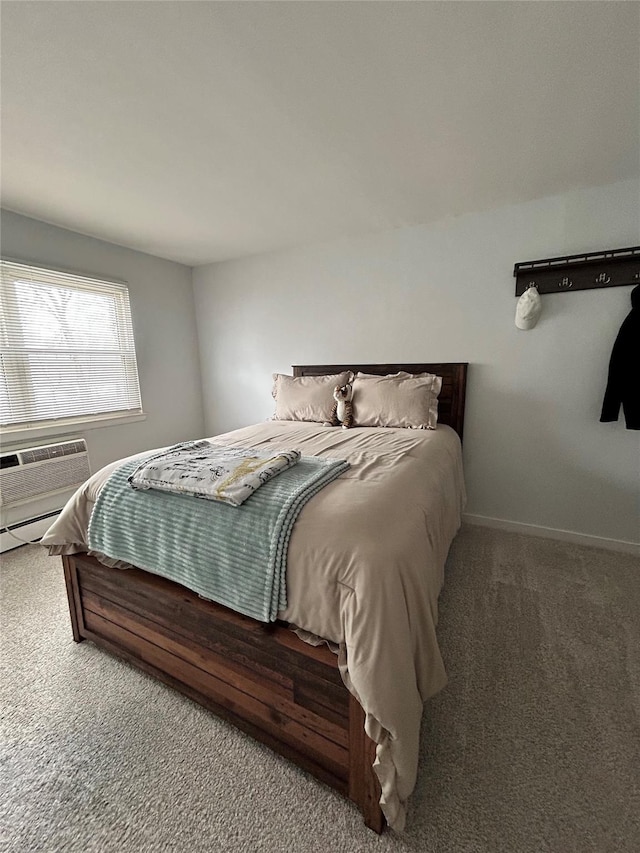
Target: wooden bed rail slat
[
  {"x": 364, "y": 788},
  {"x": 230, "y": 680}
]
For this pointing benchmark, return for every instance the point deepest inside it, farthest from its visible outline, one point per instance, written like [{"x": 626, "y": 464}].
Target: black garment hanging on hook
[{"x": 623, "y": 384}]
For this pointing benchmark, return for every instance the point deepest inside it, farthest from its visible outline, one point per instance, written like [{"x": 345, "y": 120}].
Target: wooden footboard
[{"x": 262, "y": 678}]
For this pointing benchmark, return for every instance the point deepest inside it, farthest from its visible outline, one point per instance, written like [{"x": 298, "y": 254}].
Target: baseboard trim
[{"x": 553, "y": 533}]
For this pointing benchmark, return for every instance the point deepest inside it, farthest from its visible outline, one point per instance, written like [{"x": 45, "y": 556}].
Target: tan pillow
[
  {"x": 396, "y": 400},
  {"x": 306, "y": 398}
]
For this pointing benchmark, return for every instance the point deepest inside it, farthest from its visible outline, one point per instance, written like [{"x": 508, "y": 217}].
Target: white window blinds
[{"x": 66, "y": 347}]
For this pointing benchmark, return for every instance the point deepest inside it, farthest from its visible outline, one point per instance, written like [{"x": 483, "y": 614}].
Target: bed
[{"x": 301, "y": 685}]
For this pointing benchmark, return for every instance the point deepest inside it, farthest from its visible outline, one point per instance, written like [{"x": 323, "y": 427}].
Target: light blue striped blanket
[{"x": 236, "y": 556}]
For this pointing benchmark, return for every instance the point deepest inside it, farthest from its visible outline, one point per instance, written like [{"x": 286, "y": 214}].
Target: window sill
[{"x": 67, "y": 426}]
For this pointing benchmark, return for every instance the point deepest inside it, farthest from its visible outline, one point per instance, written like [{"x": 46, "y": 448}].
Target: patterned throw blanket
[
  {"x": 236, "y": 556},
  {"x": 212, "y": 471}
]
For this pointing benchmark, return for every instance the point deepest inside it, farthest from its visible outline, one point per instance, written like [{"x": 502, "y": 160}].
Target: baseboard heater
[{"x": 31, "y": 530}]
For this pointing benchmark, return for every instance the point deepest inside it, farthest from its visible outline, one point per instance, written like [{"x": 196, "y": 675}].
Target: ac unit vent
[
  {"x": 52, "y": 451},
  {"x": 37, "y": 472}
]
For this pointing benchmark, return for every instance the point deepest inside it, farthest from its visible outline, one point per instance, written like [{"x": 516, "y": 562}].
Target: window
[{"x": 66, "y": 348}]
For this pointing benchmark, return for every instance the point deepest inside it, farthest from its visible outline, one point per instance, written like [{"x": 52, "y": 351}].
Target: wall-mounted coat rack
[{"x": 580, "y": 272}]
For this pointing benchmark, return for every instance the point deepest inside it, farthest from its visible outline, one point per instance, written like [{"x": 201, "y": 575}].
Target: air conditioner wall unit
[{"x": 32, "y": 473}]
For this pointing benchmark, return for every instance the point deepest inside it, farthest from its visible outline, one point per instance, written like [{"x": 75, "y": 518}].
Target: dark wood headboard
[{"x": 452, "y": 395}]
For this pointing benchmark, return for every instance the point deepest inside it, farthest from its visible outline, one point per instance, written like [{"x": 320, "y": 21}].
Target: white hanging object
[{"x": 529, "y": 308}]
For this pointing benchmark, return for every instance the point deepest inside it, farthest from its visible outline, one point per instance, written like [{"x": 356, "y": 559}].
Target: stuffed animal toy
[{"x": 342, "y": 412}]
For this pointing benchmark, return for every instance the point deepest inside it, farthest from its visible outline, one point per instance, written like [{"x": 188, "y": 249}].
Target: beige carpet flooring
[{"x": 534, "y": 745}]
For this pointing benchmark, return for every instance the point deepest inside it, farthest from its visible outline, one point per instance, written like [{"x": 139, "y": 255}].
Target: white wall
[
  {"x": 535, "y": 452},
  {"x": 164, "y": 327}
]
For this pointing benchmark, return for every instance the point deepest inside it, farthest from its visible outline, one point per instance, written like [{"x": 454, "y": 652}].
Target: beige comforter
[{"x": 365, "y": 567}]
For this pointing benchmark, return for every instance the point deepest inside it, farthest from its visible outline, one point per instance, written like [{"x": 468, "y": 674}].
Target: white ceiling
[{"x": 201, "y": 131}]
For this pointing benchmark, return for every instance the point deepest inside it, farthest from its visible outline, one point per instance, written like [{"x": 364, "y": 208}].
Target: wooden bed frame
[{"x": 260, "y": 677}]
